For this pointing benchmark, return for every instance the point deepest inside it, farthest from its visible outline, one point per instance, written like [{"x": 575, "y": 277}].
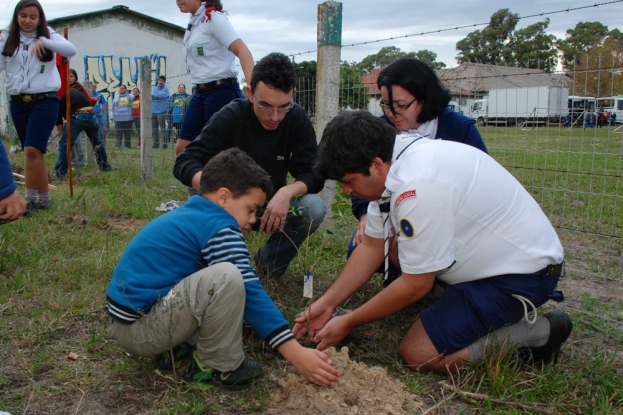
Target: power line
[{"x": 567, "y": 10}]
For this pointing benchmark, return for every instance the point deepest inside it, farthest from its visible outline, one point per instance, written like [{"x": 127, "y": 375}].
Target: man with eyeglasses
[{"x": 279, "y": 136}]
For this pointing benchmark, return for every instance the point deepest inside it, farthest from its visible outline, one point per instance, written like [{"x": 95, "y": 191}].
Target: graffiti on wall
[{"x": 101, "y": 70}]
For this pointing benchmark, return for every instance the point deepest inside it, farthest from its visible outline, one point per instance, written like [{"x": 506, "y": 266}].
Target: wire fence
[{"x": 566, "y": 150}]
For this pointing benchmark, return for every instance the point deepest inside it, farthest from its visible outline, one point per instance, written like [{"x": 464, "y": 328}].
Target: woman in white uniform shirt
[
  {"x": 28, "y": 58},
  {"x": 210, "y": 47}
]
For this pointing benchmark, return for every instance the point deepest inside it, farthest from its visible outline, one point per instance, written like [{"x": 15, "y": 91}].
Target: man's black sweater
[{"x": 291, "y": 148}]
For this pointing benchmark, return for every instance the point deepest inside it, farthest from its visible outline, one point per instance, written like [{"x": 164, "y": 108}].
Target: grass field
[{"x": 54, "y": 269}]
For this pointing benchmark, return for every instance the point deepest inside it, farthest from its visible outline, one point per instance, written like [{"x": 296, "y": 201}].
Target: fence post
[
  {"x": 146, "y": 130},
  {"x": 328, "y": 75},
  {"x": 328, "y": 67}
]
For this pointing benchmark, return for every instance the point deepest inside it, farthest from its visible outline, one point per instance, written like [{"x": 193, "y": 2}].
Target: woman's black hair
[
  {"x": 421, "y": 81},
  {"x": 12, "y": 42}
]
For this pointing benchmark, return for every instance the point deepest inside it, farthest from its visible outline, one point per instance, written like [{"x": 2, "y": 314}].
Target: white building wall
[{"x": 108, "y": 53}]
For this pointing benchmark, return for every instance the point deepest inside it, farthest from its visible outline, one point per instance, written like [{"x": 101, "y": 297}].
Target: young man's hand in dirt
[
  {"x": 312, "y": 364},
  {"x": 306, "y": 323},
  {"x": 334, "y": 331}
]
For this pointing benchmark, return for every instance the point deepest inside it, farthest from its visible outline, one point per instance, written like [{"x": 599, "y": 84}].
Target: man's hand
[
  {"x": 12, "y": 206},
  {"x": 335, "y": 330},
  {"x": 361, "y": 230},
  {"x": 313, "y": 365},
  {"x": 320, "y": 314},
  {"x": 274, "y": 218}
]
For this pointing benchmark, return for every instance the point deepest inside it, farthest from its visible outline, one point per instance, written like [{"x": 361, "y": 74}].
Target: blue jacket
[
  {"x": 160, "y": 100},
  {"x": 450, "y": 126},
  {"x": 7, "y": 183},
  {"x": 178, "y": 244}
]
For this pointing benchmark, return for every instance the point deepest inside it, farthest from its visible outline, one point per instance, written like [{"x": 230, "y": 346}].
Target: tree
[
  {"x": 306, "y": 85},
  {"x": 389, "y": 54},
  {"x": 429, "y": 58},
  {"x": 491, "y": 45},
  {"x": 583, "y": 39},
  {"x": 597, "y": 71},
  {"x": 533, "y": 48},
  {"x": 353, "y": 93}
]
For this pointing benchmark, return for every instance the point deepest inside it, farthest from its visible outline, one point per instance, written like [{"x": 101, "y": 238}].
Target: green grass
[{"x": 54, "y": 269}]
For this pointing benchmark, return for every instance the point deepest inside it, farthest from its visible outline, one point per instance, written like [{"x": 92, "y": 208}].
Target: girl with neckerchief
[
  {"x": 211, "y": 45},
  {"x": 28, "y": 58}
]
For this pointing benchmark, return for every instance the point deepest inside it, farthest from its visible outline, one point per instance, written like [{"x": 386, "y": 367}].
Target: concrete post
[
  {"x": 328, "y": 78},
  {"x": 146, "y": 132},
  {"x": 328, "y": 66}
]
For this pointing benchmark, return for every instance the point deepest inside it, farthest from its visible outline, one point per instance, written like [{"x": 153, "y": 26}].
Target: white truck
[{"x": 518, "y": 106}]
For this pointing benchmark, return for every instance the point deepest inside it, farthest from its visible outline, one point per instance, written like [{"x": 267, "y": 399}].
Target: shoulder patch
[
  {"x": 407, "y": 228},
  {"x": 406, "y": 195}
]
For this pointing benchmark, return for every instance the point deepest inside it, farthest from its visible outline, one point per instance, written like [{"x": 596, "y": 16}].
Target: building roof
[
  {"x": 369, "y": 80},
  {"x": 470, "y": 77},
  {"x": 120, "y": 12}
]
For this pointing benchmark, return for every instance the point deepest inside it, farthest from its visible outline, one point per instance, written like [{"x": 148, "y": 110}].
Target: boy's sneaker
[
  {"x": 560, "y": 327},
  {"x": 237, "y": 379},
  {"x": 165, "y": 361}
]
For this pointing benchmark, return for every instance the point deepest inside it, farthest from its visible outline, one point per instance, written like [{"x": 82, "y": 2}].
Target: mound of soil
[{"x": 362, "y": 390}]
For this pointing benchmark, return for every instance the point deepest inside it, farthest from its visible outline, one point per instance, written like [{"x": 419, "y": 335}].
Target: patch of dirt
[
  {"x": 126, "y": 225},
  {"x": 362, "y": 390}
]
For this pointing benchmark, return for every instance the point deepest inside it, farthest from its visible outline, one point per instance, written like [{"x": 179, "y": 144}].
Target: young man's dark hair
[
  {"x": 276, "y": 70},
  {"x": 164, "y": 78},
  {"x": 350, "y": 142},
  {"x": 236, "y": 171},
  {"x": 421, "y": 81}
]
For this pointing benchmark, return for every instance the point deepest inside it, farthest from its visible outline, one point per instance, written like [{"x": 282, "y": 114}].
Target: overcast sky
[{"x": 289, "y": 26}]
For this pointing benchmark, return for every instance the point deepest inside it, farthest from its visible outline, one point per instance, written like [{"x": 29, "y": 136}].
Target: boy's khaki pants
[{"x": 210, "y": 301}]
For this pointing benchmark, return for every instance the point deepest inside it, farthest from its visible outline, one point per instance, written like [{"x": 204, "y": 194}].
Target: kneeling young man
[
  {"x": 189, "y": 272},
  {"x": 460, "y": 217}
]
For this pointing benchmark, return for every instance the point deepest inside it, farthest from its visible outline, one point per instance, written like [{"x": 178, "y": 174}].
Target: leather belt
[
  {"x": 219, "y": 82},
  {"x": 552, "y": 269},
  {"x": 32, "y": 97}
]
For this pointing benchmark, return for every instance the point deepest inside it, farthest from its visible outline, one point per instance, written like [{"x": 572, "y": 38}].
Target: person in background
[
  {"x": 159, "y": 111},
  {"x": 122, "y": 114},
  {"x": 178, "y": 104},
  {"x": 81, "y": 119},
  {"x": 211, "y": 45},
  {"x": 28, "y": 60},
  {"x": 100, "y": 109},
  {"x": 414, "y": 100},
  {"x": 136, "y": 113},
  {"x": 78, "y": 145}
]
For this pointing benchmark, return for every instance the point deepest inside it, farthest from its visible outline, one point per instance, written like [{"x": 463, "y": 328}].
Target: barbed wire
[{"x": 567, "y": 10}]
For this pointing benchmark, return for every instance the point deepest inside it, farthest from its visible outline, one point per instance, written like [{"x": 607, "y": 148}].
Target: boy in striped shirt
[{"x": 188, "y": 274}]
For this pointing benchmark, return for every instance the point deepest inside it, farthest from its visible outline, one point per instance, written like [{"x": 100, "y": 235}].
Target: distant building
[
  {"x": 474, "y": 80},
  {"x": 111, "y": 41},
  {"x": 471, "y": 81}
]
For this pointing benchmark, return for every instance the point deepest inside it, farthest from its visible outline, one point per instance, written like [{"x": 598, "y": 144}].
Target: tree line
[{"x": 590, "y": 54}]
